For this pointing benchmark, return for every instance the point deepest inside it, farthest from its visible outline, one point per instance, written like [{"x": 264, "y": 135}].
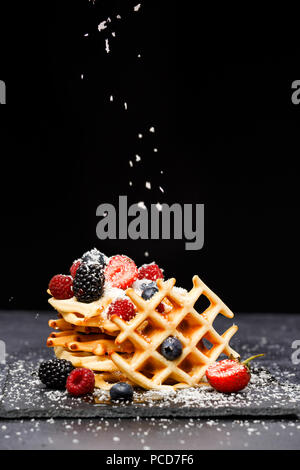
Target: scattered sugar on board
[{"x": 25, "y": 387}]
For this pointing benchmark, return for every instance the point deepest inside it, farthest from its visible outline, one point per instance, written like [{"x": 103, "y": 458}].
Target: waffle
[
  {"x": 85, "y": 338},
  {"x": 61, "y": 324},
  {"x": 82, "y": 359},
  {"x": 85, "y": 315},
  {"x": 130, "y": 351},
  {"x": 147, "y": 367},
  {"x": 105, "y": 380},
  {"x": 97, "y": 344}
]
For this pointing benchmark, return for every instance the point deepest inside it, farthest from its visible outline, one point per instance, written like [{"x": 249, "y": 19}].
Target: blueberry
[
  {"x": 148, "y": 284},
  {"x": 149, "y": 291},
  {"x": 121, "y": 391},
  {"x": 171, "y": 348}
]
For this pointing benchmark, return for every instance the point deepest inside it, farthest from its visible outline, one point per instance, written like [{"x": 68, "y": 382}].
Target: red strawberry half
[
  {"x": 121, "y": 271},
  {"x": 74, "y": 267},
  {"x": 229, "y": 375}
]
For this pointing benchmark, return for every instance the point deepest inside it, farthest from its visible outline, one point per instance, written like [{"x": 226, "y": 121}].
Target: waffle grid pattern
[{"x": 147, "y": 331}]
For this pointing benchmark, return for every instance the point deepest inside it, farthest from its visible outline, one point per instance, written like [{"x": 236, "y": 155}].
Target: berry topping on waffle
[
  {"x": 94, "y": 256},
  {"x": 149, "y": 291},
  {"x": 171, "y": 348},
  {"x": 132, "y": 328},
  {"x": 74, "y": 267},
  {"x": 123, "y": 308},
  {"x": 60, "y": 286},
  {"x": 88, "y": 283},
  {"x": 121, "y": 271},
  {"x": 150, "y": 271}
]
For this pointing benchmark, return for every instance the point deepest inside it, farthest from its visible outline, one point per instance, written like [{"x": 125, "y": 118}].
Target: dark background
[{"x": 216, "y": 85}]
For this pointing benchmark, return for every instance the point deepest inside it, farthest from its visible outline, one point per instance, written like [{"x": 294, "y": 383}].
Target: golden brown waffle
[
  {"x": 97, "y": 344},
  {"x": 105, "y": 380},
  {"x": 85, "y": 315},
  {"x": 61, "y": 324},
  {"x": 106, "y": 326},
  {"x": 83, "y": 359},
  {"x": 92, "y": 309},
  {"x": 147, "y": 367}
]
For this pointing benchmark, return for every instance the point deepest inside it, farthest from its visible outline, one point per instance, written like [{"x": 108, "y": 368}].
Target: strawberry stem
[{"x": 245, "y": 363}]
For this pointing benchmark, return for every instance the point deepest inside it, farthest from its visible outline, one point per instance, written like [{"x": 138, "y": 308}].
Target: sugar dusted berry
[
  {"x": 149, "y": 291},
  {"x": 121, "y": 272},
  {"x": 81, "y": 381},
  {"x": 123, "y": 308},
  {"x": 94, "y": 256},
  {"x": 230, "y": 375},
  {"x": 88, "y": 283},
  {"x": 151, "y": 272},
  {"x": 54, "y": 373},
  {"x": 61, "y": 286},
  {"x": 74, "y": 267},
  {"x": 171, "y": 348}
]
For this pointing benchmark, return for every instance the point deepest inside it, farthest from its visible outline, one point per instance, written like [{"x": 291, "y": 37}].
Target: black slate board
[{"x": 23, "y": 396}]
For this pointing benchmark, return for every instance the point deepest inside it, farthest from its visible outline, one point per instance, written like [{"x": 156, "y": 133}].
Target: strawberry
[
  {"x": 61, "y": 286},
  {"x": 74, "y": 267},
  {"x": 229, "y": 375},
  {"x": 123, "y": 308},
  {"x": 120, "y": 272},
  {"x": 151, "y": 272}
]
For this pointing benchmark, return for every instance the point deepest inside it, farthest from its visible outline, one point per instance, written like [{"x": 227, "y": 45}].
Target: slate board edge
[{"x": 133, "y": 412}]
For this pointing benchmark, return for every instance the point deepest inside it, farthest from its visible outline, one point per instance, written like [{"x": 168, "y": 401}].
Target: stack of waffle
[{"x": 129, "y": 351}]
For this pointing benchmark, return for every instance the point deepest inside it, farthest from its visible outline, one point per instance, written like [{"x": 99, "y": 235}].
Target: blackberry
[
  {"x": 54, "y": 373},
  {"x": 94, "y": 256},
  {"x": 88, "y": 283}
]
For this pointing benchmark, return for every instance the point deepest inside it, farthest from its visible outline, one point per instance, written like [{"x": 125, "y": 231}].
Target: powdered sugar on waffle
[
  {"x": 115, "y": 293},
  {"x": 180, "y": 290}
]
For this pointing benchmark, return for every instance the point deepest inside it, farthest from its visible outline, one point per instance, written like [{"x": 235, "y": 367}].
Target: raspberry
[
  {"x": 61, "y": 286},
  {"x": 54, "y": 373},
  {"x": 88, "y": 282},
  {"x": 151, "y": 272},
  {"x": 80, "y": 382},
  {"x": 121, "y": 272},
  {"x": 74, "y": 267},
  {"x": 123, "y": 308}
]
